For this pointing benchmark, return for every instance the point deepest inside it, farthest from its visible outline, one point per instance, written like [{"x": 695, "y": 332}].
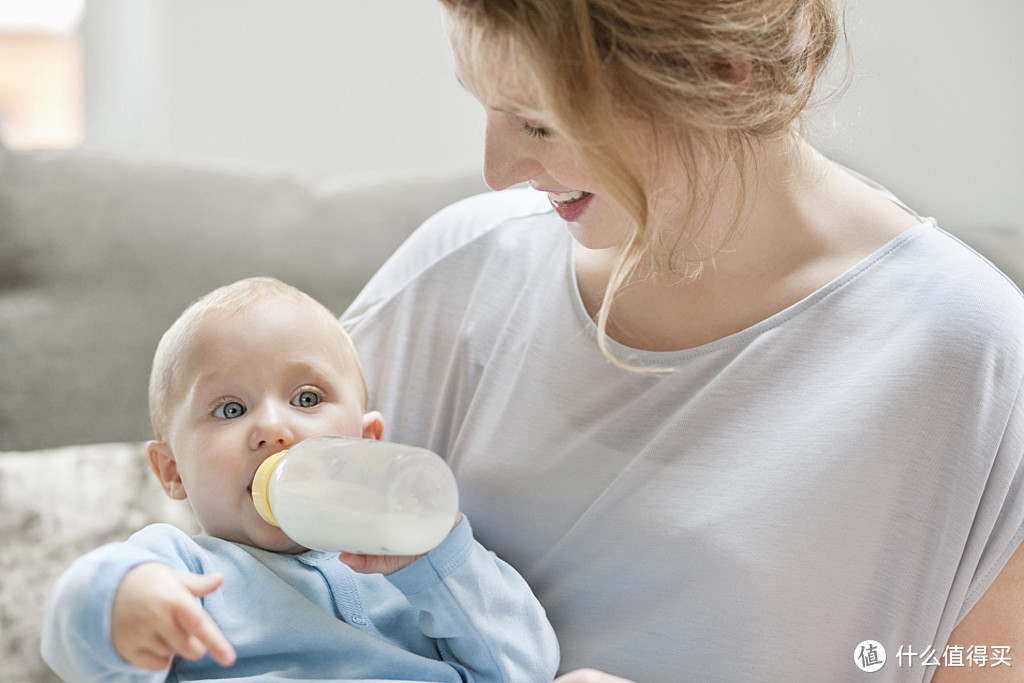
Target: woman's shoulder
[
  {"x": 459, "y": 238},
  {"x": 472, "y": 218},
  {"x": 962, "y": 297},
  {"x": 957, "y": 275}
]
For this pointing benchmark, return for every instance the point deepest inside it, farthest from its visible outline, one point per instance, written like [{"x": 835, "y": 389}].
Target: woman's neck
[{"x": 805, "y": 222}]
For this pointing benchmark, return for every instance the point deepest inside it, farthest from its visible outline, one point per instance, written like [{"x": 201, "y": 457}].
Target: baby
[{"x": 246, "y": 371}]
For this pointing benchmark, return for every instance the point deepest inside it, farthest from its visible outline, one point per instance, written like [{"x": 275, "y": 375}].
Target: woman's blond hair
[{"x": 715, "y": 76}]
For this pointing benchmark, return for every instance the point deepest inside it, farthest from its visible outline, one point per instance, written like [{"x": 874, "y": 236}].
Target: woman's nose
[
  {"x": 271, "y": 427},
  {"x": 506, "y": 159}
]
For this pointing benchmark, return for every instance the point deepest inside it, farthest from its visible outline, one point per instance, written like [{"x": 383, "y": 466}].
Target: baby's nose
[{"x": 271, "y": 428}]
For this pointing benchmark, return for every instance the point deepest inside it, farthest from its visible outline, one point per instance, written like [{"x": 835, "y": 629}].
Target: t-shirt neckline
[{"x": 647, "y": 358}]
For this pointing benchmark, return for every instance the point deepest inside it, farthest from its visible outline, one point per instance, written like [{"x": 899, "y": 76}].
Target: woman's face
[{"x": 520, "y": 145}]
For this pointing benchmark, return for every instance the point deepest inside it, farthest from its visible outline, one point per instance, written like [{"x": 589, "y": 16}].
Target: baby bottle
[{"x": 358, "y": 496}]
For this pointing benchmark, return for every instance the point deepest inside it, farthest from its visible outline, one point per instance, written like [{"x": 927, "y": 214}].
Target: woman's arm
[{"x": 997, "y": 619}]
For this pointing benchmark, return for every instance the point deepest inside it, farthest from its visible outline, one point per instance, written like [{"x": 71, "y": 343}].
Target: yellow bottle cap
[{"x": 261, "y": 487}]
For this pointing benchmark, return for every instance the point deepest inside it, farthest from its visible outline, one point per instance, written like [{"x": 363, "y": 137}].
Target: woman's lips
[{"x": 570, "y": 205}]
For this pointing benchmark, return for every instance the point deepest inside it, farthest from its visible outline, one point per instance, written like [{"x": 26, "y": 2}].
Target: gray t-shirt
[{"x": 846, "y": 470}]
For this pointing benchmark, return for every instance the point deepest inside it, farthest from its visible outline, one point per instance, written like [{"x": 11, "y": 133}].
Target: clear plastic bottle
[{"x": 358, "y": 496}]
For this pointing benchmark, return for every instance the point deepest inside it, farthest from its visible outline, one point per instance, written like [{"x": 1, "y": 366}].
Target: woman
[{"x": 749, "y": 411}]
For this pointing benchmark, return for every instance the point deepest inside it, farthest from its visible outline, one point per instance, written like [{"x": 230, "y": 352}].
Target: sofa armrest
[{"x": 54, "y": 506}]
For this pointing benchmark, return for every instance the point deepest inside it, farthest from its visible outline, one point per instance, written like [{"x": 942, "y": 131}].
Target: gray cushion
[
  {"x": 54, "y": 506},
  {"x": 101, "y": 253}
]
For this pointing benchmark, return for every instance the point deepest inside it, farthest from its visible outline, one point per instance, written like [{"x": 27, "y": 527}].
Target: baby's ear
[
  {"x": 161, "y": 459},
  {"x": 373, "y": 425}
]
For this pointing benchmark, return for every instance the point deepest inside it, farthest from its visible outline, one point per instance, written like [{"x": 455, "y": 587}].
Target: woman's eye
[
  {"x": 534, "y": 131},
  {"x": 229, "y": 410},
  {"x": 306, "y": 399}
]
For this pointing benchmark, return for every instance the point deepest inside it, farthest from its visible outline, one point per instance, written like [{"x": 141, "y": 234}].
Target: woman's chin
[{"x": 596, "y": 237}]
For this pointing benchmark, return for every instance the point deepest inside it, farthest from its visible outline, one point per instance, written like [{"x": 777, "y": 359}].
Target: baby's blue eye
[
  {"x": 306, "y": 399},
  {"x": 229, "y": 410}
]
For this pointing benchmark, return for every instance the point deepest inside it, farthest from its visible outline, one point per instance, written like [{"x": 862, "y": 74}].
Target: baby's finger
[
  {"x": 219, "y": 647},
  {"x": 147, "y": 658},
  {"x": 201, "y": 584},
  {"x": 172, "y": 640},
  {"x": 201, "y": 635},
  {"x": 377, "y": 564},
  {"x": 189, "y": 647}
]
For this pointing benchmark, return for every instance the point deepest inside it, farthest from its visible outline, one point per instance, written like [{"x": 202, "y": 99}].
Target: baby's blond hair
[{"x": 169, "y": 361}]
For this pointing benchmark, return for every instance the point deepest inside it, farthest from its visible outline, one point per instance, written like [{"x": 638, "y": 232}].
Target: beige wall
[
  {"x": 353, "y": 85},
  {"x": 326, "y": 85}
]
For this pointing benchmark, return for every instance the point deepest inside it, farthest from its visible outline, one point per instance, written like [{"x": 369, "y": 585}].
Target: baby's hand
[
  {"x": 377, "y": 564},
  {"x": 156, "y": 616},
  {"x": 589, "y": 676}
]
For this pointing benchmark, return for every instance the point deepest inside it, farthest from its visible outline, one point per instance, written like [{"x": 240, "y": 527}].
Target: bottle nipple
[{"x": 261, "y": 487}]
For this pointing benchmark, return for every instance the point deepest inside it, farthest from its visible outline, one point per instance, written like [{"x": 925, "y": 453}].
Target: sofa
[{"x": 98, "y": 255}]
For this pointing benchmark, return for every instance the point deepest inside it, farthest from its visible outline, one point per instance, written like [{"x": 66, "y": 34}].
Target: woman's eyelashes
[{"x": 534, "y": 131}]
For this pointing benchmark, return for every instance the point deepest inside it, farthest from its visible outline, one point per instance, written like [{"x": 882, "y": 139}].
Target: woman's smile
[{"x": 569, "y": 204}]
